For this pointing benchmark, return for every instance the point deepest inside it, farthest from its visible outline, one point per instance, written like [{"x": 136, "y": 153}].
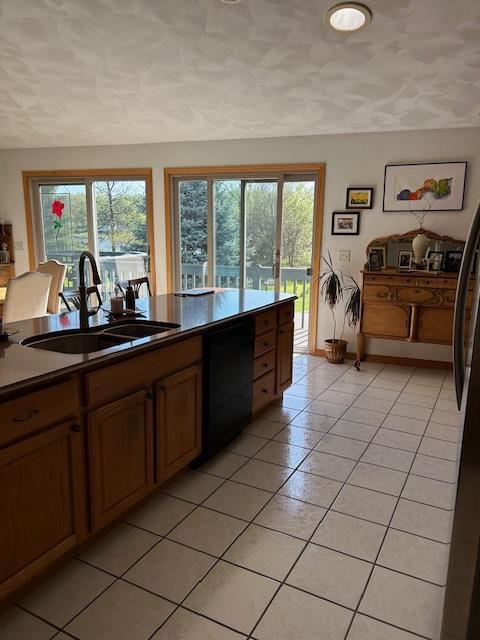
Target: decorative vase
[
  {"x": 420, "y": 245},
  {"x": 335, "y": 351}
]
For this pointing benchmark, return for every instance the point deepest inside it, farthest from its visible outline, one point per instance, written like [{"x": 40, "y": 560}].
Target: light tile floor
[{"x": 328, "y": 519}]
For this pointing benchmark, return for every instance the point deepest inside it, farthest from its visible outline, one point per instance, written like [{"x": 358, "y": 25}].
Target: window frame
[{"x": 34, "y": 225}]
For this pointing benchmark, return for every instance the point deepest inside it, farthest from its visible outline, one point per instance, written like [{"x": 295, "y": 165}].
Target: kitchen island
[{"x": 85, "y": 437}]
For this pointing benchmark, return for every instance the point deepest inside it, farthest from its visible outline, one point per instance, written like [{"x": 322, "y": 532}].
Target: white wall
[{"x": 354, "y": 159}]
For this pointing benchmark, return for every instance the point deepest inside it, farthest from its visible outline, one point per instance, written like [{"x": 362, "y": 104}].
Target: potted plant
[{"x": 338, "y": 287}]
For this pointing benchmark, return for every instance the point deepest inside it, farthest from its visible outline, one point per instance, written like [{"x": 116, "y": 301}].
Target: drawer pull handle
[
  {"x": 265, "y": 344},
  {"x": 32, "y": 414},
  {"x": 264, "y": 390},
  {"x": 76, "y": 428},
  {"x": 265, "y": 364}
]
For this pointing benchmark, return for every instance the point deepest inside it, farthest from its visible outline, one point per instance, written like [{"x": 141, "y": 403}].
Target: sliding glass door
[
  {"x": 105, "y": 216},
  {"x": 252, "y": 227},
  {"x": 228, "y": 232}
]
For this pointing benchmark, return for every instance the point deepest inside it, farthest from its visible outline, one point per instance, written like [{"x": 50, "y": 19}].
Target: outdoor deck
[{"x": 300, "y": 339}]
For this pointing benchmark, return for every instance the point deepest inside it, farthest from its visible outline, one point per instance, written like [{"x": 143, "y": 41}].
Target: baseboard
[{"x": 413, "y": 362}]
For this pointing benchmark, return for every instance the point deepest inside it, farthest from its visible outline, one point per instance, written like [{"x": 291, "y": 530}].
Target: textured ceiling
[{"x": 89, "y": 72}]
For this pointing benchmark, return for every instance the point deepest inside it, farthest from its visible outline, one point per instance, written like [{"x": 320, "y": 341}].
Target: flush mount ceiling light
[
  {"x": 348, "y": 16},
  {"x": 231, "y": 1}
]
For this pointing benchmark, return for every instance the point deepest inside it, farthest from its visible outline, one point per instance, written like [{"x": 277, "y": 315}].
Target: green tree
[
  {"x": 297, "y": 224},
  {"x": 121, "y": 215}
]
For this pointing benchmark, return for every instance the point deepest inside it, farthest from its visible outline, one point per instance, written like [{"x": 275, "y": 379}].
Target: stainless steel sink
[
  {"x": 75, "y": 342},
  {"x": 140, "y": 328},
  {"x": 81, "y": 341}
]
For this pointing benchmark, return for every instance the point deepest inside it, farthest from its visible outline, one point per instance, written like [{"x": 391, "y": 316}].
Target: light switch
[
  {"x": 344, "y": 255},
  {"x": 18, "y": 245}
]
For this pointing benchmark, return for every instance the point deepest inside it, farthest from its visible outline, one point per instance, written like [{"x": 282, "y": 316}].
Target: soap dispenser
[{"x": 130, "y": 298}]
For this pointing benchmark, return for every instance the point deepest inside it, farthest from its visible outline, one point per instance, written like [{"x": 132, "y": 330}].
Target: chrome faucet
[{"x": 85, "y": 312}]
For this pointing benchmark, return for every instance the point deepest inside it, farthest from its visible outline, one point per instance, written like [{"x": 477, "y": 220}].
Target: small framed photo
[
  {"x": 436, "y": 260},
  {"x": 376, "y": 258},
  {"x": 404, "y": 260},
  {"x": 453, "y": 260},
  {"x": 345, "y": 223},
  {"x": 359, "y": 198}
]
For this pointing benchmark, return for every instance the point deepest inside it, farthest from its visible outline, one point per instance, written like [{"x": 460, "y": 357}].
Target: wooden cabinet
[
  {"x": 120, "y": 442},
  {"x": 41, "y": 504},
  {"x": 284, "y": 356},
  {"x": 178, "y": 421},
  {"x": 273, "y": 363},
  {"x": 119, "y": 379},
  {"x": 415, "y": 306}
]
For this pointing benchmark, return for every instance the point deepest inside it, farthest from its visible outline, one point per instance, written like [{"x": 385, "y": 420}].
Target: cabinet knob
[
  {"x": 28, "y": 416},
  {"x": 264, "y": 390},
  {"x": 265, "y": 364},
  {"x": 150, "y": 394},
  {"x": 76, "y": 428},
  {"x": 265, "y": 344}
]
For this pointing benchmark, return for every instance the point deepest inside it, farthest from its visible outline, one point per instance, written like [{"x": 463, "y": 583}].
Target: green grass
[{"x": 290, "y": 289}]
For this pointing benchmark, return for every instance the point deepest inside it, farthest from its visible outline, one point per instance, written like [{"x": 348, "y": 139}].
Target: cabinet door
[
  {"x": 120, "y": 437},
  {"x": 178, "y": 421},
  {"x": 284, "y": 357},
  {"x": 41, "y": 502},
  {"x": 435, "y": 325},
  {"x": 385, "y": 320}
]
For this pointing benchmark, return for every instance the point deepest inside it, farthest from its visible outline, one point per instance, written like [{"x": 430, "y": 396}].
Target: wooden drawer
[
  {"x": 37, "y": 410},
  {"x": 390, "y": 279},
  {"x": 263, "y": 391},
  {"x": 285, "y": 313},
  {"x": 376, "y": 293},
  {"x": 265, "y": 321},
  {"x": 264, "y": 364},
  {"x": 118, "y": 380},
  {"x": 264, "y": 343}
]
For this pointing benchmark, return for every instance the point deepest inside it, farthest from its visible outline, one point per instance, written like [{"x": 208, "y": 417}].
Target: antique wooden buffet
[{"x": 416, "y": 306}]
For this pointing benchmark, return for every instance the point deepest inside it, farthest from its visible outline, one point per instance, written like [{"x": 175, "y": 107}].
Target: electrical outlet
[
  {"x": 344, "y": 255},
  {"x": 18, "y": 245}
]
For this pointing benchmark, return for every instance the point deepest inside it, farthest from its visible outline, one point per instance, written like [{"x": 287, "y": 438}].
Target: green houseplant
[{"x": 337, "y": 287}]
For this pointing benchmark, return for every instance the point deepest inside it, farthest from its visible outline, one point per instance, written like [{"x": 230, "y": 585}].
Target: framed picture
[
  {"x": 345, "y": 223},
  {"x": 436, "y": 260},
  {"x": 376, "y": 258},
  {"x": 436, "y": 186},
  {"x": 359, "y": 198},
  {"x": 453, "y": 260},
  {"x": 404, "y": 260}
]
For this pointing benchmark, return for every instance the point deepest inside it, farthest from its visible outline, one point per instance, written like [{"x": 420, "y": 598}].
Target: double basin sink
[{"x": 89, "y": 341}]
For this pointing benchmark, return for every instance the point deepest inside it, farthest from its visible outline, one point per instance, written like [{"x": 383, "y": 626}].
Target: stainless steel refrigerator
[{"x": 461, "y": 620}]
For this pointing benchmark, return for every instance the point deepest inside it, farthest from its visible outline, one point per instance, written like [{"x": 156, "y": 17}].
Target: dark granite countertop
[{"x": 23, "y": 367}]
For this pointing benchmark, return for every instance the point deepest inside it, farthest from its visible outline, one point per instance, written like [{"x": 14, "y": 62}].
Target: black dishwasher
[{"x": 228, "y": 375}]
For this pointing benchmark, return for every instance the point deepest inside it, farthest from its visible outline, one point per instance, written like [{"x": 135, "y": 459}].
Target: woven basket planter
[{"x": 335, "y": 351}]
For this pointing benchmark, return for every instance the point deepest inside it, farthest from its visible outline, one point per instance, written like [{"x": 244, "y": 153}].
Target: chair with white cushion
[
  {"x": 27, "y": 296},
  {"x": 57, "y": 271}
]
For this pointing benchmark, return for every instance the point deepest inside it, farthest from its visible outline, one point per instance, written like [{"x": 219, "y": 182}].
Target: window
[{"x": 105, "y": 213}]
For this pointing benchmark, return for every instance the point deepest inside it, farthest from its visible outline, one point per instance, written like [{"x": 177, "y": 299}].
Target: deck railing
[
  {"x": 293, "y": 280},
  {"x": 113, "y": 268}
]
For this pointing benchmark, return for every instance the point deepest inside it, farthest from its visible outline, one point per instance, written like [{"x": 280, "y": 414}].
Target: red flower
[{"x": 57, "y": 208}]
